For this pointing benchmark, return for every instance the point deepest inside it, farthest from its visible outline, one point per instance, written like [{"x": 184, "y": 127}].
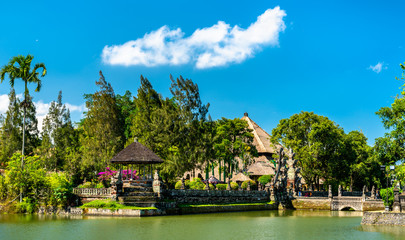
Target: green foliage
[
  {"x": 178, "y": 185},
  {"x": 233, "y": 139},
  {"x": 57, "y": 134},
  {"x": 197, "y": 184},
  {"x": 253, "y": 185},
  {"x": 11, "y": 129},
  {"x": 265, "y": 179},
  {"x": 102, "y": 135},
  {"x": 61, "y": 189},
  {"x": 234, "y": 186},
  {"x": 28, "y": 205},
  {"x": 393, "y": 119},
  {"x": 3, "y": 188},
  {"x": 20, "y": 67},
  {"x": 110, "y": 204},
  {"x": 174, "y": 128},
  {"x": 221, "y": 186},
  {"x": 317, "y": 143},
  {"x": 383, "y": 193},
  {"x": 31, "y": 179}
]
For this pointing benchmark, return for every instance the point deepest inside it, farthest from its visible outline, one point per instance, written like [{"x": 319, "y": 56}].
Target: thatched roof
[
  {"x": 136, "y": 153},
  {"x": 260, "y": 168},
  {"x": 240, "y": 177},
  {"x": 261, "y": 138}
]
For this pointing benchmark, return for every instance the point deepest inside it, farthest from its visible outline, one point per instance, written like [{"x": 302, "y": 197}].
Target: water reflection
[{"x": 236, "y": 226}]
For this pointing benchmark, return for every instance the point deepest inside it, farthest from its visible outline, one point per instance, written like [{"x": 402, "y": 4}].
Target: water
[{"x": 242, "y": 225}]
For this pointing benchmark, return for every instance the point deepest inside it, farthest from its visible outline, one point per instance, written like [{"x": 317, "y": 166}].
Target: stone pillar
[
  {"x": 330, "y": 195},
  {"x": 182, "y": 184},
  {"x": 157, "y": 184},
  {"x": 272, "y": 197},
  {"x": 373, "y": 192},
  {"x": 363, "y": 196},
  {"x": 340, "y": 191},
  {"x": 396, "y": 207},
  {"x": 228, "y": 187},
  {"x": 248, "y": 186}
]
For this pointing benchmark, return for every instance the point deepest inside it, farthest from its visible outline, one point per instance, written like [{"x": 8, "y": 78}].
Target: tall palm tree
[{"x": 20, "y": 67}]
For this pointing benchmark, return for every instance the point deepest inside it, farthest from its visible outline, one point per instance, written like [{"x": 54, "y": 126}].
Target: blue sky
[{"x": 271, "y": 59}]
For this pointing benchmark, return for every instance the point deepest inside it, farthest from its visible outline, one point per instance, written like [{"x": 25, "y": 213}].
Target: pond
[{"x": 241, "y": 225}]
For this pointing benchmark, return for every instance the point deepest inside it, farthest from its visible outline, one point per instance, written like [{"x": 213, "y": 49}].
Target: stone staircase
[{"x": 138, "y": 193}]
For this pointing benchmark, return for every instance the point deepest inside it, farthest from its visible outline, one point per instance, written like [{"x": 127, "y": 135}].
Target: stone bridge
[{"x": 340, "y": 203}]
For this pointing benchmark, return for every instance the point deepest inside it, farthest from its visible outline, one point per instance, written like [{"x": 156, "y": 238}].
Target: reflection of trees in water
[{"x": 397, "y": 231}]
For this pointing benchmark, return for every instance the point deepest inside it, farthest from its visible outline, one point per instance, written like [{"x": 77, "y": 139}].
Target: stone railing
[
  {"x": 88, "y": 192},
  {"x": 214, "y": 196}
]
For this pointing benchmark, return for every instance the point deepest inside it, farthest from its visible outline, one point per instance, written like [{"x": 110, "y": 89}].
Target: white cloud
[
  {"x": 41, "y": 108},
  {"x": 213, "y": 46},
  {"x": 378, "y": 67}
]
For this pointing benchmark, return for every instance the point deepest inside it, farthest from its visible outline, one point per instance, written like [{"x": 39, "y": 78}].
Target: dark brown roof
[{"x": 136, "y": 153}]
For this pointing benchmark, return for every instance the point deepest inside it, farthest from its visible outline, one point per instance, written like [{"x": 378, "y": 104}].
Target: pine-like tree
[
  {"x": 102, "y": 134},
  {"x": 11, "y": 129}
]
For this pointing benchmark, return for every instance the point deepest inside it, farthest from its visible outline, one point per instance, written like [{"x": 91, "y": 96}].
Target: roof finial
[{"x": 246, "y": 114}]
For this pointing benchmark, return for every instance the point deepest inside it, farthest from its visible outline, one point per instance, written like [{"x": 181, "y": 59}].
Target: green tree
[
  {"x": 233, "y": 139},
  {"x": 56, "y": 134},
  {"x": 362, "y": 165},
  {"x": 20, "y": 67},
  {"x": 391, "y": 148},
  {"x": 127, "y": 107},
  {"x": 102, "y": 134},
  {"x": 11, "y": 129},
  {"x": 317, "y": 142}
]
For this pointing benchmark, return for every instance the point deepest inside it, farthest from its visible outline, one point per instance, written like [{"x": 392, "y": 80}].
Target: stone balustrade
[{"x": 90, "y": 192}]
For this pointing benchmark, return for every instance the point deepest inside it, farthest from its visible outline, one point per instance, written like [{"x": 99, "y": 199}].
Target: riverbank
[{"x": 179, "y": 210}]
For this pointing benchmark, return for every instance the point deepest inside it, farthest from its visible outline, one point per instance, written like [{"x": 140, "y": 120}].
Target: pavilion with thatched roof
[{"x": 137, "y": 154}]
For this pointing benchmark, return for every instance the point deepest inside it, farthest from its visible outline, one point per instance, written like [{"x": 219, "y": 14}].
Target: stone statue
[
  {"x": 182, "y": 184},
  {"x": 373, "y": 192},
  {"x": 340, "y": 191}
]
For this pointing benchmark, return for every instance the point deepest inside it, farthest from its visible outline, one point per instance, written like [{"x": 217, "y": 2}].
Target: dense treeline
[{"x": 180, "y": 130}]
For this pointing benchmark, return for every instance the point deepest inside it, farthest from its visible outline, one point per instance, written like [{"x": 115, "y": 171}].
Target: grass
[
  {"x": 222, "y": 205},
  {"x": 112, "y": 205}
]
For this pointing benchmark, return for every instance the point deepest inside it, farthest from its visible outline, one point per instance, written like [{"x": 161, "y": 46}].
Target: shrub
[
  {"x": 265, "y": 179},
  {"x": 61, "y": 189},
  {"x": 212, "y": 187},
  {"x": 383, "y": 193},
  {"x": 197, "y": 184},
  {"x": 221, "y": 186},
  {"x": 178, "y": 185},
  {"x": 86, "y": 185},
  {"x": 234, "y": 186},
  {"x": 253, "y": 184}
]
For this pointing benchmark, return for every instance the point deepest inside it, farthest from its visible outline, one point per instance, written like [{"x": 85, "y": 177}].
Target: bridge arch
[{"x": 348, "y": 206}]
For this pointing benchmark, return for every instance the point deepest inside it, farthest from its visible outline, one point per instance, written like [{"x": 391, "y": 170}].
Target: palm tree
[{"x": 20, "y": 67}]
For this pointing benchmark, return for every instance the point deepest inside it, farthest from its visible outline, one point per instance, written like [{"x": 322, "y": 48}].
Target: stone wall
[
  {"x": 373, "y": 205},
  {"x": 383, "y": 218},
  {"x": 315, "y": 203},
  {"x": 214, "y": 196}
]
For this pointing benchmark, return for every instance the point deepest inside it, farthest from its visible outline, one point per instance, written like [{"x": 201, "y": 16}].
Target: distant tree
[
  {"x": 56, "y": 134},
  {"x": 173, "y": 128},
  {"x": 11, "y": 129},
  {"x": 317, "y": 142},
  {"x": 233, "y": 139},
  {"x": 127, "y": 107},
  {"x": 362, "y": 166},
  {"x": 102, "y": 134},
  {"x": 392, "y": 146}
]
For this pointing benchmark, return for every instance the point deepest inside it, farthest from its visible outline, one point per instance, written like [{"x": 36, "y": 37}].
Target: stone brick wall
[
  {"x": 316, "y": 203},
  {"x": 373, "y": 205},
  {"x": 214, "y": 196},
  {"x": 383, "y": 218}
]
